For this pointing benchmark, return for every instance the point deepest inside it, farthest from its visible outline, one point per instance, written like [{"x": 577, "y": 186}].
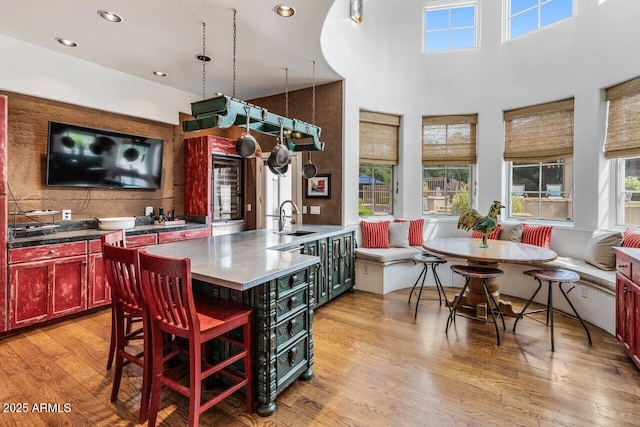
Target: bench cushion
[
  {"x": 587, "y": 272},
  {"x": 388, "y": 255}
]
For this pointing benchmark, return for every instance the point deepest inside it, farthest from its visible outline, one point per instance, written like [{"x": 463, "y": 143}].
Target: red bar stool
[
  {"x": 117, "y": 238},
  {"x": 121, "y": 269},
  {"x": 554, "y": 275},
  {"x": 433, "y": 261},
  {"x": 482, "y": 273},
  {"x": 166, "y": 283}
]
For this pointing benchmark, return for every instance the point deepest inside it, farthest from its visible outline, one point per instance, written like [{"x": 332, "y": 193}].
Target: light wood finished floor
[{"x": 374, "y": 366}]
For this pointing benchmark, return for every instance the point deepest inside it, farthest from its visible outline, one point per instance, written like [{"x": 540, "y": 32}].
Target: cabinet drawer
[
  {"x": 623, "y": 265},
  {"x": 39, "y": 253},
  {"x": 288, "y": 304},
  {"x": 290, "y": 329},
  {"x": 142, "y": 240},
  {"x": 290, "y": 360},
  {"x": 172, "y": 236},
  {"x": 290, "y": 282},
  {"x": 95, "y": 246}
]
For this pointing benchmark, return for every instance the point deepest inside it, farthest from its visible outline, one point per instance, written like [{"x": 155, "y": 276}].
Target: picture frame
[{"x": 319, "y": 187}]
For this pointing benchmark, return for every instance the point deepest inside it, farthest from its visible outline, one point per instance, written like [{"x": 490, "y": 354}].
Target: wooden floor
[{"x": 374, "y": 366}]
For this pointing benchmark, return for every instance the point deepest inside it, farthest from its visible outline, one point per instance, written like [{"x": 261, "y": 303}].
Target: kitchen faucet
[{"x": 282, "y": 217}]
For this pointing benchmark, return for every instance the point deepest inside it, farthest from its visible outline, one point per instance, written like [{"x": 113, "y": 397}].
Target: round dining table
[{"x": 499, "y": 251}]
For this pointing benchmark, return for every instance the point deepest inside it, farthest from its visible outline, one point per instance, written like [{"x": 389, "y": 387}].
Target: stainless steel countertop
[{"x": 243, "y": 260}]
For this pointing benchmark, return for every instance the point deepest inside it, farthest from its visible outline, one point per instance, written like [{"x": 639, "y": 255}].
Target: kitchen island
[{"x": 279, "y": 275}]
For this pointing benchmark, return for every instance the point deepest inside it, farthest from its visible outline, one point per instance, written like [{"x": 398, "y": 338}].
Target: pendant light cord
[
  {"x": 204, "y": 62},
  {"x": 286, "y": 92},
  {"x": 235, "y": 33}
]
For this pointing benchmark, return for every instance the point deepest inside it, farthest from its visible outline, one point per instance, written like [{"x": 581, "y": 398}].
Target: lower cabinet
[
  {"x": 46, "y": 290},
  {"x": 335, "y": 273},
  {"x": 628, "y": 303},
  {"x": 51, "y": 281}
]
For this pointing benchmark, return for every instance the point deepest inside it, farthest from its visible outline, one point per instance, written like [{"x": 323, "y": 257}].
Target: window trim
[{"x": 448, "y": 5}]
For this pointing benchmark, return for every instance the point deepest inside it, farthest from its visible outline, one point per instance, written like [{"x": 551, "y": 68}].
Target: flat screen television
[{"x": 83, "y": 157}]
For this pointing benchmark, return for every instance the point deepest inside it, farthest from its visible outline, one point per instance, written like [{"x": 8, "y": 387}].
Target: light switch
[
  {"x": 248, "y": 207},
  {"x": 315, "y": 210},
  {"x": 304, "y": 210}
]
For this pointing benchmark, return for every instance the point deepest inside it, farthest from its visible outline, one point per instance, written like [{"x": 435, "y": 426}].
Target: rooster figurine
[{"x": 471, "y": 219}]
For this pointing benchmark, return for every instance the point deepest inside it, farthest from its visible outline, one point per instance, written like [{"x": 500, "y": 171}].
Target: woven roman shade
[
  {"x": 540, "y": 132},
  {"x": 379, "y": 138},
  {"x": 449, "y": 140},
  {"x": 623, "y": 121}
]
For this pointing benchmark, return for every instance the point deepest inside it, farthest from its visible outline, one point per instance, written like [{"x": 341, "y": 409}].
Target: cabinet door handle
[
  {"x": 51, "y": 252},
  {"x": 623, "y": 265},
  {"x": 291, "y": 327},
  {"x": 292, "y": 301},
  {"x": 625, "y": 290},
  {"x": 292, "y": 355}
]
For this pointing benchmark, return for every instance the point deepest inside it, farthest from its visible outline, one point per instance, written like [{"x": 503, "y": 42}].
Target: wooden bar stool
[
  {"x": 433, "y": 261},
  {"x": 121, "y": 269},
  {"x": 482, "y": 273},
  {"x": 553, "y": 275},
  {"x": 167, "y": 288}
]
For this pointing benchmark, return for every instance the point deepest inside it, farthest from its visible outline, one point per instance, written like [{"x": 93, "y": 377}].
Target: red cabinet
[
  {"x": 99, "y": 293},
  {"x": 172, "y": 236},
  {"x": 46, "y": 289},
  {"x": 628, "y": 301}
]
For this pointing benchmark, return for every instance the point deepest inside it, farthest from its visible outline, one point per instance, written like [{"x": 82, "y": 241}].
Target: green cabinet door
[{"x": 319, "y": 248}]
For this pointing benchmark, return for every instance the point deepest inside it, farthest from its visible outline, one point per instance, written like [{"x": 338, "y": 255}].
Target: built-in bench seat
[{"x": 382, "y": 271}]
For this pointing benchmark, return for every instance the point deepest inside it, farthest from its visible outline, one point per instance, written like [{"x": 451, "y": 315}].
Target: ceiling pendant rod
[
  {"x": 235, "y": 33},
  {"x": 204, "y": 60}
]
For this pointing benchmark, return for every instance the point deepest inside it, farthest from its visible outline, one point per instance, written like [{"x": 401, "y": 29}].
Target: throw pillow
[
  {"x": 631, "y": 238},
  {"x": 493, "y": 235},
  {"x": 512, "y": 232},
  {"x": 375, "y": 234},
  {"x": 599, "y": 253},
  {"x": 399, "y": 234},
  {"x": 415, "y": 231},
  {"x": 539, "y": 235}
]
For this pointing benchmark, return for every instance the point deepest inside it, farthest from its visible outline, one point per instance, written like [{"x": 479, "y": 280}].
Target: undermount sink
[{"x": 297, "y": 233}]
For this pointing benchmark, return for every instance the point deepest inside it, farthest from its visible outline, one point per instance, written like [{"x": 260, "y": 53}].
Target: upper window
[
  {"x": 450, "y": 27},
  {"x": 530, "y": 15},
  {"x": 448, "y": 154},
  {"x": 623, "y": 143},
  {"x": 539, "y": 145},
  {"x": 379, "y": 138}
]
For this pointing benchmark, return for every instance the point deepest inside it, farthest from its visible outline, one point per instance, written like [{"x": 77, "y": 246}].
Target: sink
[{"x": 298, "y": 233}]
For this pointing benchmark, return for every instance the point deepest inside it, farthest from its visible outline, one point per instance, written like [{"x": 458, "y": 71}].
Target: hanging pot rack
[{"x": 223, "y": 111}]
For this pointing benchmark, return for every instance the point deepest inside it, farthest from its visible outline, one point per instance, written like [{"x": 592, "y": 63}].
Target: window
[
  {"x": 448, "y": 152},
  {"x": 539, "y": 147},
  {"x": 623, "y": 143},
  {"x": 446, "y": 190},
  {"x": 450, "y": 27},
  {"x": 542, "y": 190},
  {"x": 379, "y": 136},
  {"x": 530, "y": 15}
]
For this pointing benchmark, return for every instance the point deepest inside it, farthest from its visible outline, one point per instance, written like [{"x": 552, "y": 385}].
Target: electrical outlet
[
  {"x": 248, "y": 207},
  {"x": 583, "y": 291},
  {"x": 315, "y": 210},
  {"x": 66, "y": 214}
]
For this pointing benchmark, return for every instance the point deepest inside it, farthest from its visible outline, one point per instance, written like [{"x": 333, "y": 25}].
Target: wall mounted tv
[{"x": 83, "y": 157}]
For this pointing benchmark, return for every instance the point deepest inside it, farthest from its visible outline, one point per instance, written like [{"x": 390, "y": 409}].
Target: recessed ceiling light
[
  {"x": 203, "y": 58},
  {"x": 284, "y": 10},
  {"x": 160, "y": 73},
  {"x": 110, "y": 16},
  {"x": 66, "y": 42}
]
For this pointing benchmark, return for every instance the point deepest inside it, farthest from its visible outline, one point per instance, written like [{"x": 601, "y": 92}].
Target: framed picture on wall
[{"x": 319, "y": 187}]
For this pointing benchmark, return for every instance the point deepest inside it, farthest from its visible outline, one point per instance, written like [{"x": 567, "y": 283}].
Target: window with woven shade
[
  {"x": 448, "y": 153},
  {"x": 539, "y": 147},
  {"x": 622, "y": 144},
  {"x": 379, "y": 139}
]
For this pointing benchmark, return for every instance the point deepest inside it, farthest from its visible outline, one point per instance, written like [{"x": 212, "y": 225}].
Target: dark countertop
[{"x": 93, "y": 233}]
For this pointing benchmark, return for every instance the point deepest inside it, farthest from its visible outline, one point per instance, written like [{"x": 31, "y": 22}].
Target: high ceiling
[{"x": 166, "y": 35}]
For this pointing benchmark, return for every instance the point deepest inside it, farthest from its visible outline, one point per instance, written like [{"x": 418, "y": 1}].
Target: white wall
[
  {"x": 385, "y": 71},
  {"x": 45, "y": 73}
]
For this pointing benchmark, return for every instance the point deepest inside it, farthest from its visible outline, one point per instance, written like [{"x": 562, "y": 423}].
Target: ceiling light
[
  {"x": 355, "y": 10},
  {"x": 66, "y": 42},
  {"x": 284, "y": 10},
  {"x": 109, "y": 16},
  {"x": 160, "y": 73}
]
